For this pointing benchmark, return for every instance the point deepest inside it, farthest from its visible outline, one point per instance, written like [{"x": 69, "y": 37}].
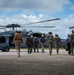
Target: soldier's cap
[
  {"x": 50, "y": 32},
  {"x": 31, "y": 36},
  {"x": 28, "y": 34}
]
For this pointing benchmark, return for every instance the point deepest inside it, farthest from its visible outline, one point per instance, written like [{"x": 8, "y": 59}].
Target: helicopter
[{"x": 6, "y": 37}]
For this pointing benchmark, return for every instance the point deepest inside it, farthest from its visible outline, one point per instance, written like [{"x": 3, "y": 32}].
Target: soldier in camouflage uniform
[
  {"x": 57, "y": 42},
  {"x": 42, "y": 41},
  {"x": 36, "y": 45},
  {"x": 32, "y": 42},
  {"x": 72, "y": 41},
  {"x": 50, "y": 39},
  {"x": 29, "y": 43}
]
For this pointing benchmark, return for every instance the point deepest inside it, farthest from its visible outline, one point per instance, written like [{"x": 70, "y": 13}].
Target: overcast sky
[{"x": 27, "y": 11}]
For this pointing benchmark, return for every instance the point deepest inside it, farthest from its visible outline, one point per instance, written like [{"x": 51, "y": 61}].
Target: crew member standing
[
  {"x": 36, "y": 45},
  {"x": 68, "y": 42},
  {"x": 29, "y": 43},
  {"x": 42, "y": 41},
  {"x": 18, "y": 39},
  {"x": 57, "y": 42},
  {"x": 50, "y": 39},
  {"x": 72, "y": 41}
]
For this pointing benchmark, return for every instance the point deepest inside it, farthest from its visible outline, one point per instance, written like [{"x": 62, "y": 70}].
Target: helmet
[
  {"x": 28, "y": 34},
  {"x": 31, "y": 36},
  {"x": 68, "y": 35},
  {"x": 72, "y": 31},
  {"x": 50, "y": 32},
  {"x": 56, "y": 34},
  {"x": 42, "y": 35}
]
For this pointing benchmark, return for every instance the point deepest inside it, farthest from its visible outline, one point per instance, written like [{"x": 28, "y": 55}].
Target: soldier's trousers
[
  {"x": 57, "y": 47},
  {"x": 72, "y": 47},
  {"x": 17, "y": 46},
  {"x": 29, "y": 50},
  {"x": 50, "y": 48},
  {"x": 36, "y": 48},
  {"x": 42, "y": 45},
  {"x": 69, "y": 47}
]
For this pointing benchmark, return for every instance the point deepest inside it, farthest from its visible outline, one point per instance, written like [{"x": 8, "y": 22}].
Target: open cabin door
[{"x": 11, "y": 44}]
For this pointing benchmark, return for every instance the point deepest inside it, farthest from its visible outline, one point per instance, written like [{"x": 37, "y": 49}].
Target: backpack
[
  {"x": 29, "y": 42},
  {"x": 57, "y": 39},
  {"x": 51, "y": 39},
  {"x": 42, "y": 40}
]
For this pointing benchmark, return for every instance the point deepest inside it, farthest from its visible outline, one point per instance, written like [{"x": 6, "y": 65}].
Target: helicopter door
[
  {"x": 11, "y": 41},
  {"x": 2, "y": 39}
]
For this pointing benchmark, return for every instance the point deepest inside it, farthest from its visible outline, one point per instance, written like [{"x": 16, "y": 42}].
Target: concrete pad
[{"x": 36, "y": 63}]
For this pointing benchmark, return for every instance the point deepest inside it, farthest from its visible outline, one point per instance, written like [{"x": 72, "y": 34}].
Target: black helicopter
[{"x": 6, "y": 37}]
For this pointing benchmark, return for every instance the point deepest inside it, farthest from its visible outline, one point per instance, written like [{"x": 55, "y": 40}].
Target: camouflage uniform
[
  {"x": 36, "y": 44},
  {"x": 32, "y": 42},
  {"x": 57, "y": 42},
  {"x": 42, "y": 40},
  {"x": 50, "y": 38},
  {"x": 72, "y": 41},
  {"x": 29, "y": 43}
]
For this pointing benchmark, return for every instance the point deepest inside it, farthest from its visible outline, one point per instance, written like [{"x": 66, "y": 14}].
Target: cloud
[
  {"x": 62, "y": 25},
  {"x": 72, "y": 7},
  {"x": 44, "y": 7},
  {"x": 65, "y": 23},
  {"x": 47, "y": 6}
]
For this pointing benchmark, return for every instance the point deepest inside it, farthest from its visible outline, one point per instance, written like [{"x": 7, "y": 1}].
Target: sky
[{"x": 26, "y": 11}]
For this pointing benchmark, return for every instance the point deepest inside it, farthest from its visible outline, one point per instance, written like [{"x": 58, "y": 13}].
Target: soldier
[
  {"x": 50, "y": 38},
  {"x": 57, "y": 42},
  {"x": 72, "y": 41},
  {"x": 68, "y": 43},
  {"x": 18, "y": 39},
  {"x": 29, "y": 43},
  {"x": 32, "y": 42},
  {"x": 42, "y": 41},
  {"x": 36, "y": 44}
]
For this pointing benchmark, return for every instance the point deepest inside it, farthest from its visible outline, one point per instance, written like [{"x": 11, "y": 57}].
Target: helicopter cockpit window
[{"x": 2, "y": 39}]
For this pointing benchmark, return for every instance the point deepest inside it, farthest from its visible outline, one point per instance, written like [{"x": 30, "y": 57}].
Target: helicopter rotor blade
[
  {"x": 43, "y": 21},
  {"x": 16, "y": 25},
  {"x": 2, "y": 28},
  {"x": 71, "y": 27},
  {"x": 42, "y": 26}
]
